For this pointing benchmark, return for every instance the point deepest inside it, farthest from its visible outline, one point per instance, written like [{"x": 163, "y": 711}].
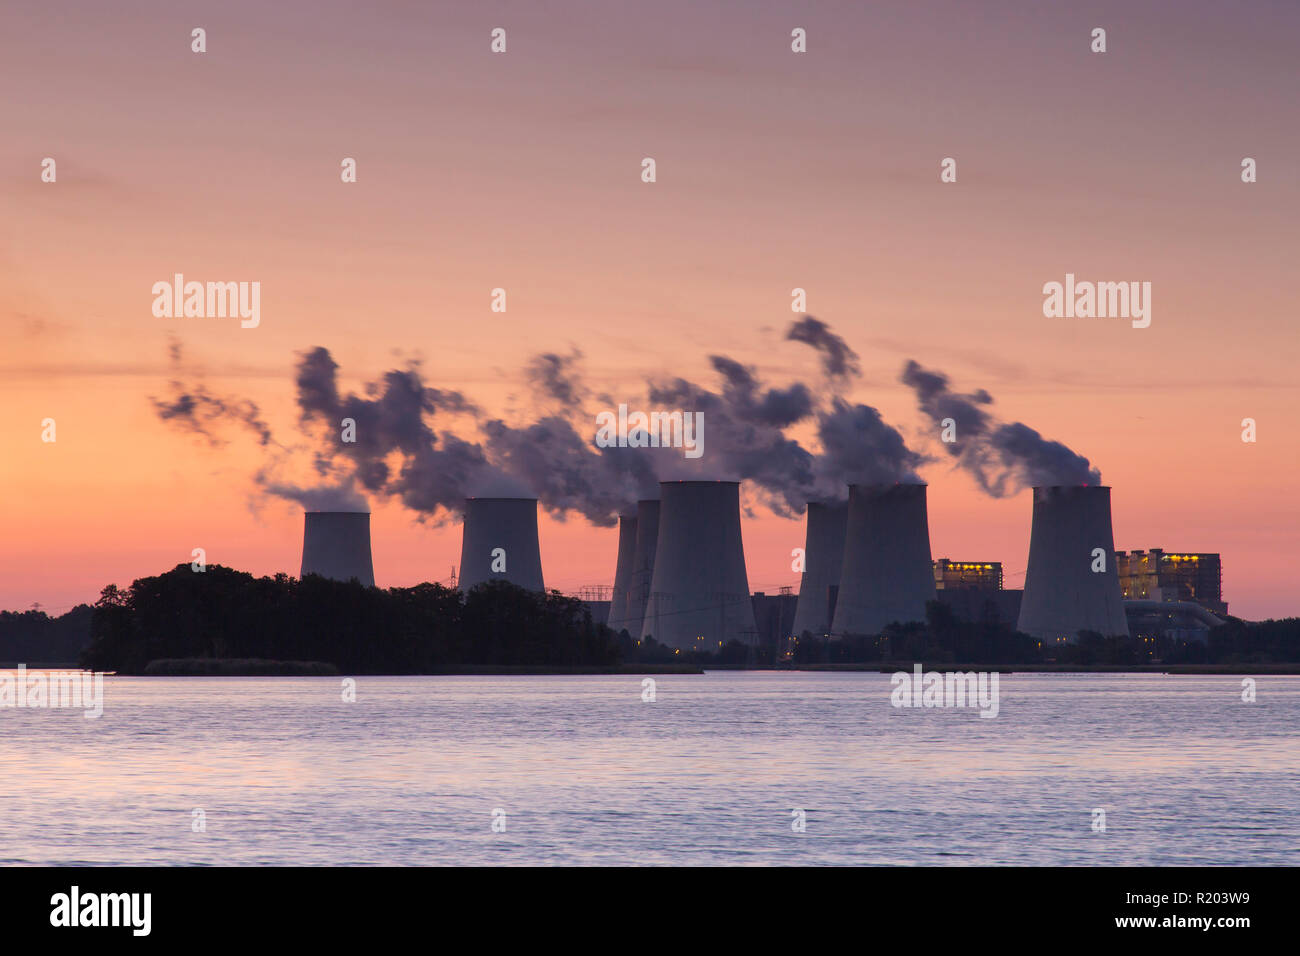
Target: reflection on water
[{"x": 587, "y": 772}]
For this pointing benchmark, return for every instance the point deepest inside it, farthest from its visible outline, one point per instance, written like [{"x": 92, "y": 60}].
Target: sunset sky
[{"x": 521, "y": 170}]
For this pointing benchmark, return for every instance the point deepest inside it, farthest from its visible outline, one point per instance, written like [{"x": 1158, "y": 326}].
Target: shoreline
[
  {"x": 261, "y": 668},
  {"x": 1175, "y": 669}
]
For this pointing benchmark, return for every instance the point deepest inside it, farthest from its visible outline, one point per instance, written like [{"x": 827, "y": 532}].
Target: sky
[{"x": 522, "y": 170}]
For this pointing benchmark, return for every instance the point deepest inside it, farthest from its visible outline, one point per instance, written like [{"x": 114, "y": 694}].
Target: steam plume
[
  {"x": 1003, "y": 458},
  {"x": 857, "y": 445}
]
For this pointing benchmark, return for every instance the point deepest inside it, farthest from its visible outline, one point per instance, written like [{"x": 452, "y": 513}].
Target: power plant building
[
  {"x": 336, "y": 545},
  {"x": 1158, "y": 575},
  {"x": 952, "y": 575},
  {"x": 699, "y": 592},
  {"x": 774, "y": 615},
  {"x": 974, "y": 591}
]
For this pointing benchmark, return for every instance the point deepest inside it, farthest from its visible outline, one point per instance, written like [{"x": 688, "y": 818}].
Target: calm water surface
[{"x": 588, "y": 773}]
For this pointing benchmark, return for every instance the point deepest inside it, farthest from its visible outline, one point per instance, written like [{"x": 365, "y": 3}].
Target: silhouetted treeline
[
  {"x": 1235, "y": 642},
  {"x": 226, "y": 614},
  {"x": 732, "y": 654},
  {"x": 1244, "y": 642},
  {"x": 222, "y": 613},
  {"x": 945, "y": 638},
  {"x": 33, "y": 637}
]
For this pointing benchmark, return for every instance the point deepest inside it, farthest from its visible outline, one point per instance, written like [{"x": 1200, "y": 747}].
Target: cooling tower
[
  {"x": 500, "y": 532},
  {"x": 643, "y": 566},
  {"x": 886, "y": 575},
  {"x": 699, "y": 591},
  {"x": 823, "y": 557},
  {"x": 336, "y": 545},
  {"x": 623, "y": 572},
  {"x": 1063, "y": 595}
]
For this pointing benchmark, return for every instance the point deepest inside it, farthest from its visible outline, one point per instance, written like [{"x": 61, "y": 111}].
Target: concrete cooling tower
[
  {"x": 643, "y": 565},
  {"x": 823, "y": 558},
  {"x": 699, "y": 593},
  {"x": 1063, "y": 595},
  {"x": 336, "y": 545},
  {"x": 622, "y": 571},
  {"x": 500, "y": 532},
  {"x": 886, "y": 575}
]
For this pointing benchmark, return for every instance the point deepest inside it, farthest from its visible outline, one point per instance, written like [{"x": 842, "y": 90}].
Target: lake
[{"x": 711, "y": 772}]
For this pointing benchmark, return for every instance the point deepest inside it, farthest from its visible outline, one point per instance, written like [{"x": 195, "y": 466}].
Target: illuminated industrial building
[
  {"x": 985, "y": 575},
  {"x": 973, "y": 591},
  {"x": 1157, "y": 575}
]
